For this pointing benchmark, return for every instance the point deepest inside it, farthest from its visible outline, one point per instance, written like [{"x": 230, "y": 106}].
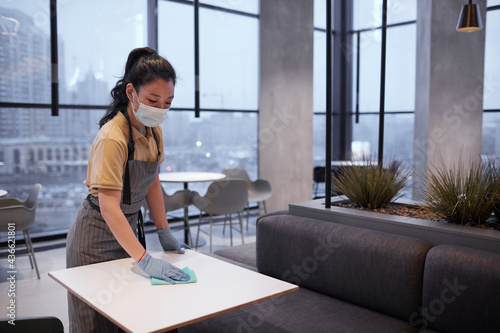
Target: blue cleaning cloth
[{"x": 187, "y": 270}]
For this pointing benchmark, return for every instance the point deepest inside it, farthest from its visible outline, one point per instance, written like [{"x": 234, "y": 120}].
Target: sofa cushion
[
  {"x": 244, "y": 254},
  {"x": 377, "y": 270},
  {"x": 461, "y": 290},
  {"x": 301, "y": 311}
]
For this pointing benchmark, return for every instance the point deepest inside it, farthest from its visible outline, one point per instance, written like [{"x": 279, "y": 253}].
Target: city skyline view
[{"x": 94, "y": 39}]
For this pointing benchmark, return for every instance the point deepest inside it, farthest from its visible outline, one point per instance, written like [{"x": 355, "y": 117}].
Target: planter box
[{"x": 431, "y": 231}]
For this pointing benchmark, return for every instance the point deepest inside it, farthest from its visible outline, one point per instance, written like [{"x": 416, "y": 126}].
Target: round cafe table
[
  {"x": 190, "y": 177},
  {"x": 3, "y": 193},
  {"x": 187, "y": 177}
]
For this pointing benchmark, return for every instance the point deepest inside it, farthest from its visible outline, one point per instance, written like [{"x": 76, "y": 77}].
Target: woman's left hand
[{"x": 169, "y": 243}]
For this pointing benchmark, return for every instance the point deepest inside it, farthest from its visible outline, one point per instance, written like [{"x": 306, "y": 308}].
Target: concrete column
[
  {"x": 449, "y": 87},
  {"x": 286, "y": 100}
]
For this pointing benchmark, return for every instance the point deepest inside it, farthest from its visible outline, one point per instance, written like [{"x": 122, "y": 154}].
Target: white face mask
[{"x": 149, "y": 115}]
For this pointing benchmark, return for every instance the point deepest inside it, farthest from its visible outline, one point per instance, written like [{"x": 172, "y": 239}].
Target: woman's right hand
[{"x": 162, "y": 270}]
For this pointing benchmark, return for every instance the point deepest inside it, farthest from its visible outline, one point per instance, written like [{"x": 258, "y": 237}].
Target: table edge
[
  {"x": 189, "y": 322},
  {"x": 86, "y": 302},
  {"x": 190, "y": 180}
]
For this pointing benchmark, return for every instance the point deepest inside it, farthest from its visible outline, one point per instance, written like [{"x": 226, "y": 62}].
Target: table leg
[{"x": 186, "y": 221}]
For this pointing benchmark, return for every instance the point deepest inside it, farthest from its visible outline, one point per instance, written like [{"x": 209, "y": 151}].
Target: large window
[
  {"x": 94, "y": 39},
  {"x": 491, "y": 97},
  {"x": 228, "y": 61},
  {"x": 24, "y": 53},
  {"x": 177, "y": 45},
  {"x": 225, "y": 134},
  {"x": 365, "y": 46},
  {"x": 319, "y": 77},
  {"x": 53, "y": 151},
  {"x": 400, "y": 79},
  {"x": 212, "y": 142}
]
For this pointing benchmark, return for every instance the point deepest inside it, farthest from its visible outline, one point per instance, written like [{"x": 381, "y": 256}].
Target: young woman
[{"x": 122, "y": 172}]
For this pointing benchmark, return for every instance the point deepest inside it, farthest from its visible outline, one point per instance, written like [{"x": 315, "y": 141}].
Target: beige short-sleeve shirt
[{"x": 109, "y": 153}]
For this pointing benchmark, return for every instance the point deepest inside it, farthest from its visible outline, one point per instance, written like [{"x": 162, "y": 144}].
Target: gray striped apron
[{"x": 91, "y": 241}]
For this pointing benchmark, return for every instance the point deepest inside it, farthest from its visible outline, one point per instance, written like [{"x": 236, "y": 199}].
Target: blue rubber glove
[
  {"x": 162, "y": 270},
  {"x": 168, "y": 241}
]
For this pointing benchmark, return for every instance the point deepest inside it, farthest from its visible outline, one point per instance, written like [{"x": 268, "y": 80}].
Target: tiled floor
[{"x": 45, "y": 297}]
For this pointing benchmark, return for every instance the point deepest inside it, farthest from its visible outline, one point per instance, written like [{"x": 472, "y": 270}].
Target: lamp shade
[{"x": 470, "y": 18}]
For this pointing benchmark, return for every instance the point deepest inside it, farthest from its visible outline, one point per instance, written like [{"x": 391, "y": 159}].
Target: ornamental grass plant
[
  {"x": 462, "y": 195},
  {"x": 496, "y": 205},
  {"x": 371, "y": 186},
  {"x": 496, "y": 196}
]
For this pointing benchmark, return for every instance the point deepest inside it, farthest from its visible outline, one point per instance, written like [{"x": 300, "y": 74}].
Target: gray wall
[
  {"x": 286, "y": 100},
  {"x": 449, "y": 87}
]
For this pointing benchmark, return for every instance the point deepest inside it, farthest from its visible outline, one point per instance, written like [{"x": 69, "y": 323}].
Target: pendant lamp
[{"x": 470, "y": 18}]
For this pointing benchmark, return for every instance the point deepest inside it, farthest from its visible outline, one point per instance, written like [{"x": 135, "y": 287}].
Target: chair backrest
[
  {"x": 22, "y": 214},
  {"x": 224, "y": 197},
  {"x": 319, "y": 174},
  {"x": 33, "y": 196},
  {"x": 237, "y": 173},
  {"x": 179, "y": 199},
  {"x": 47, "y": 324}
]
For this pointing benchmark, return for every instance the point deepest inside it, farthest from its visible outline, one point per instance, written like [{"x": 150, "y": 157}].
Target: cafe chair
[
  {"x": 17, "y": 215},
  {"x": 224, "y": 197},
  {"x": 318, "y": 177},
  {"x": 47, "y": 324},
  {"x": 178, "y": 200},
  {"x": 258, "y": 191}
]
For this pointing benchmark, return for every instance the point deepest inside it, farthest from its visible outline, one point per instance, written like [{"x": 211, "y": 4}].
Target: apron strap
[
  {"x": 140, "y": 229},
  {"x": 157, "y": 145},
  {"x": 127, "y": 195}
]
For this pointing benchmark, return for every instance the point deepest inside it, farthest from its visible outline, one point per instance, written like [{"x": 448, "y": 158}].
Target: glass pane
[
  {"x": 400, "y": 11},
  {"x": 492, "y": 3},
  {"x": 368, "y": 13},
  {"x": 491, "y": 135},
  {"x": 398, "y": 137},
  {"x": 319, "y": 150},
  {"x": 25, "y": 52},
  {"x": 401, "y": 68},
  {"x": 319, "y": 145},
  {"x": 53, "y": 151},
  {"x": 369, "y": 68},
  {"x": 176, "y": 43},
  {"x": 491, "y": 94},
  {"x": 95, "y": 38},
  {"x": 320, "y": 14},
  {"x": 247, "y": 6},
  {"x": 228, "y": 61},
  {"x": 319, "y": 71},
  {"x": 193, "y": 144}
]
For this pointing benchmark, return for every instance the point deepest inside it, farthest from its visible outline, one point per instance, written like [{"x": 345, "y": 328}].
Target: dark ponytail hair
[{"x": 143, "y": 66}]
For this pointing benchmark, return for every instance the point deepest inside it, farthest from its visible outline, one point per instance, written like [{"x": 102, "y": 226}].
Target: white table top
[
  {"x": 123, "y": 293},
  {"x": 3, "y": 193},
  {"x": 190, "y": 176},
  {"x": 350, "y": 163}
]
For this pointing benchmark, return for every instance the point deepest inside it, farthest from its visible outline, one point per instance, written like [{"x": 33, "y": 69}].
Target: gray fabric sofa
[{"x": 358, "y": 280}]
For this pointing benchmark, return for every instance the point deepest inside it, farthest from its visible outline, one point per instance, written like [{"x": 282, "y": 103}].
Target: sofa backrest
[
  {"x": 461, "y": 291},
  {"x": 377, "y": 270}
]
